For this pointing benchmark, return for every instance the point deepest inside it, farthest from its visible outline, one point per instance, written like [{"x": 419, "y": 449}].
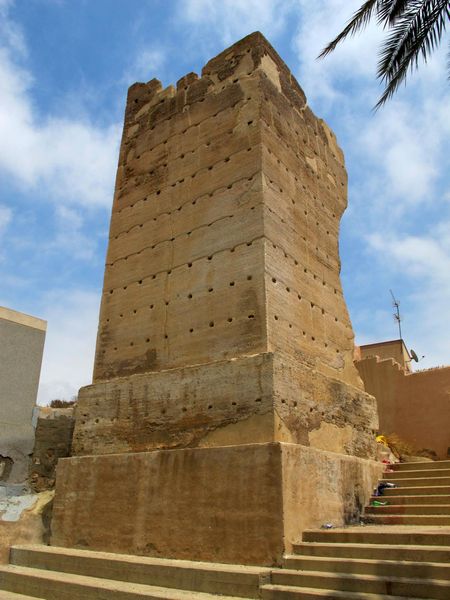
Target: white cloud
[
  {"x": 9, "y": 31},
  {"x": 72, "y": 317},
  {"x": 147, "y": 64},
  {"x": 73, "y": 160},
  {"x": 5, "y": 220},
  {"x": 325, "y": 80},
  {"x": 425, "y": 259},
  {"x": 232, "y": 19},
  {"x": 5, "y": 217},
  {"x": 70, "y": 237}
]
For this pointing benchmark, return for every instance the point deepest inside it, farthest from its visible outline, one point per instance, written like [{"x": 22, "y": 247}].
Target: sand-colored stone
[
  {"x": 261, "y": 398},
  {"x": 53, "y": 440},
  {"x": 227, "y": 187},
  {"x": 226, "y": 414},
  {"x": 222, "y": 304},
  {"x": 243, "y": 504}
]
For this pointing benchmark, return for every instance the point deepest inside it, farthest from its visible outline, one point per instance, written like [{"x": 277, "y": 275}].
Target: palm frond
[
  {"x": 359, "y": 20},
  {"x": 416, "y": 27},
  {"x": 416, "y": 33},
  {"x": 389, "y": 12}
]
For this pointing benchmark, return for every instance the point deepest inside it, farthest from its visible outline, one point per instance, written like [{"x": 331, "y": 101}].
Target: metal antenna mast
[{"x": 397, "y": 317}]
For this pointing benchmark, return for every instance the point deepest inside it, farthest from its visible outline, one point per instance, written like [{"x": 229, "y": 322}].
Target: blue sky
[{"x": 65, "y": 66}]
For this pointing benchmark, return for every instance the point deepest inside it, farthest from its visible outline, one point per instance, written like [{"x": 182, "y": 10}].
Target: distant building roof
[{"x": 22, "y": 319}]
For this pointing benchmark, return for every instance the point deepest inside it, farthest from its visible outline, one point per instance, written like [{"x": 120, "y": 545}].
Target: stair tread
[
  {"x": 14, "y": 596},
  {"x": 338, "y": 559},
  {"x": 110, "y": 585},
  {"x": 363, "y": 577},
  {"x": 443, "y": 519},
  {"x": 133, "y": 559},
  {"x": 413, "y": 471},
  {"x": 413, "y": 496},
  {"x": 420, "y": 547},
  {"x": 330, "y": 594},
  {"x": 424, "y": 465},
  {"x": 416, "y": 487},
  {"x": 427, "y": 505},
  {"x": 397, "y": 480}
]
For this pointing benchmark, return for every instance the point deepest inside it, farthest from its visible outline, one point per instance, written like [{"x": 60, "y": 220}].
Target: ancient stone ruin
[{"x": 225, "y": 414}]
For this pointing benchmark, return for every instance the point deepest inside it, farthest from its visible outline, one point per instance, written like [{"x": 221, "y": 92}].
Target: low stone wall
[
  {"x": 239, "y": 504},
  {"x": 53, "y": 440}
]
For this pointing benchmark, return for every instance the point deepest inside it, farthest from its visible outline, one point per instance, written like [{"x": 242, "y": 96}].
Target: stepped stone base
[
  {"x": 245, "y": 504},
  {"x": 261, "y": 398}
]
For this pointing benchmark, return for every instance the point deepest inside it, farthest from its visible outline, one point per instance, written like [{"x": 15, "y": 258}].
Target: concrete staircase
[
  {"x": 422, "y": 495},
  {"x": 372, "y": 562}
]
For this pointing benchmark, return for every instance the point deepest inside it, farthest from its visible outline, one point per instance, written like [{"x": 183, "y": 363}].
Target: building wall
[
  {"x": 21, "y": 347},
  {"x": 53, "y": 440},
  {"x": 415, "y": 406},
  {"x": 225, "y": 223},
  {"x": 223, "y": 256},
  {"x": 395, "y": 349}
]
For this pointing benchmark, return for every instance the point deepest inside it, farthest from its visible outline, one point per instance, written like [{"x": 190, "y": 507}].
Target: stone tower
[{"x": 223, "y": 330}]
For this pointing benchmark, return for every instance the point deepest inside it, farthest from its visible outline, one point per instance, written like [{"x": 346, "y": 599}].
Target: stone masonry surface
[{"x": 222, "y": 318}]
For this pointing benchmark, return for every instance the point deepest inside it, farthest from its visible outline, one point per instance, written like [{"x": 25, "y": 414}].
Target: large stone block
[
  {"x": 243, "y": 504},
  {"x": 252, "y": 399}
]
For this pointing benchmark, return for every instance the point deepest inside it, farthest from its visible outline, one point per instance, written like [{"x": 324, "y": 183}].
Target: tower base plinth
[{"x": 242, "y": 504}]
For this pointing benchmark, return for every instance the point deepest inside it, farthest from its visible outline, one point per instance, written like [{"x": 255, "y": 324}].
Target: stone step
[
  {"x": 12, "y": 596},
  {"x": 367, "y": 535},
  {"x": 67, "y": 586},
  {"x": 214, "y": 578},
  {"x": 417, "y": 491},
  {"x": 417, "y": 481},
  {"x": 399, "y": 519},
  {"x": 384, "y": 568},
  {"x": 397, "y": 586},
  {"x": 424, "y": 466},
  {"x": 409, "y": 509},
  {"x": 438, "y": 554},
  {"x": 284, "y": 592},
  {"x": 413, "y": 499},
  {"x": 417, "y": 474}
]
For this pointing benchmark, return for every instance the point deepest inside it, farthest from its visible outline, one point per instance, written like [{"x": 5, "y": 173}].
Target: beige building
[
  {"x": 21, "y": 346},
  {"x": 415, "y": 406}
]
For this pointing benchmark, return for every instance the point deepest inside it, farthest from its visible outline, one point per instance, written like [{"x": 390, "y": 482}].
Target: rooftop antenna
[{"x": 397, "y": 317}]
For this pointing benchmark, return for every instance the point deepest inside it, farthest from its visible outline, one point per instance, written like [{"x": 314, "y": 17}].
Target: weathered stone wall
[
  {"x": 21, "y": 346},
  {"x": 224, "y": 347},
  {"x": 245, "y": 504},
  {"x": 222, "y": 272},
  {"x": 186, "y": 229},
  {"x": 228, "y": 187},
  {"x": 53, "y": 440},
  {"x": 259, "y": 398}
]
